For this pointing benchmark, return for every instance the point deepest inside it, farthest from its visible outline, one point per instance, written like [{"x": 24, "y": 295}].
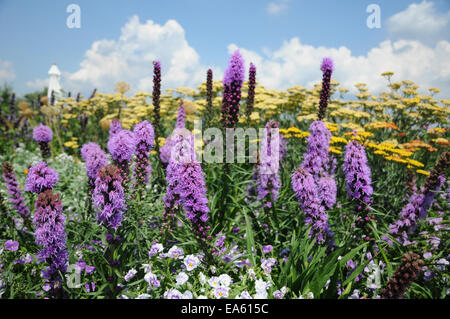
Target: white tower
[{"x": 53, "y": 84}]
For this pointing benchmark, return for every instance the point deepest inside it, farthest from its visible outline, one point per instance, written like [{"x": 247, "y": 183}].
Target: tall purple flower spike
[
  {"x": 15, "y": 194},
  {"x": 186, "y": 189},
  {"x": 40, "y": 178},
  {"x": 316, "y": 159},
  {"x": 145, "y": 140},
  {"x": 156, "y": 94},
  {"x": 420, "y": 202},
  {"x": 180, "y": 124},
  {"x": 115, "y": 127},
  {"x": 95, "y": 159},
  {"x": 43, "y": 135},
  {"x": 49, "y": 222},
  {"x": 307, "y": 192},
  {"x": 251, "y": 90},
  {"x": 122, "y": 146},
  {"x": 267, "y": 174},
  {"x": 327, "y": 69},
  {"x": 358, "y": 182},
  {"x": 109, "y": 197},
  {"x": 233, "y": 80}
]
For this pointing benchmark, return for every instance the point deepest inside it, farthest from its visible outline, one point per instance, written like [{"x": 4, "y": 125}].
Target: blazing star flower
[
  {"x": 11, "y": 245},
  {"x": 232, "y": 82},
  {"x": 310, "y": 201},
  {"x": 49, "y": 223},
  {"x": 316, "y": 159},
  {"x": 191, "y": 262},
  {"x": 358, "y": 181},
  {"x": 114, "y": 127},
  {"x": 209, "y": 93},
  {"x": 327, "y": 190},
  {"x": 43, "y": 135},
  {"x": 182, "y": 278},
  {"x": 145, "y": 136},
  {"x": 251, "y": 90},
  {"x": 172, "y": 139},
  {"x": 15, "y": 194},
  {"x": 156, "y": 100},
  {"x": 122, "y": 146},
  {"x": 267, "y": 178},
  {"x": 357, "y": 172},
  {"x": 327, "y": 69},
  {"x": 94, "y": 157},
  {"x": 40, "y": 178},
  {"x": 108, "y": 197}
]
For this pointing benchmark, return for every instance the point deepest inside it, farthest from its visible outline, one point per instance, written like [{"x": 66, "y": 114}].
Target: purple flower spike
[
  {"x": 122, "y": 146},
  {"x": 267, "y": 175},
  {"x": 358, "y": 181},
  {"x": 115, "y": 127},
  {"x": 181, "y": 116},
  {"x": 251, "y": 90},
  {"x": 316, "y": 159},
  {"x": 327, "y": 69},
  {"x": 145, "y": 140},
  {"x": 233, "y": 80},
  {"x": 42, "y": 133},
  {"x": 94, "y": 157},
  {"x": 50, "y": 233},
  {"x": 304, "y": 186},
  {"x": 156, "y": 100},
  {"x": 14, "y": 191},
  {"x": 327, "y": 65},
  {"x": 40, "y": 178},
  {"x": 108, "y": 197}
]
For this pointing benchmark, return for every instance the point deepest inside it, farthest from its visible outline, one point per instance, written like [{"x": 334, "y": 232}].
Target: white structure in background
[{"x": 53, "y": 84}]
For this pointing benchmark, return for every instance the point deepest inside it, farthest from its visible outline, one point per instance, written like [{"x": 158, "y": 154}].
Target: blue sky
[{"x": 280, "y": 35}]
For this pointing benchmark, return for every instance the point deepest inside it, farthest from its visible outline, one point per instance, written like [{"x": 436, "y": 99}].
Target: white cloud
[
  {"x": 130, "y": 59},
  {"x": 37, "y": 84},
  {"x": 297, "y": 63},
  {"x": 419, "y": 22},
  {"x": 276, "y": 7},
  {"x": 7, "y": 73}
]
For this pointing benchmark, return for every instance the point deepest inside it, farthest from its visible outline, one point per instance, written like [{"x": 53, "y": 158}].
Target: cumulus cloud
[
  {"x": 297, "y": 63},
  {"x": 420, "y": 21},
  {"x": 276, "y": 7},
  {"x": 130, "y": 58},
  {"x": 37, "y": 84},
  {"x": 7, "y": 73}
]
